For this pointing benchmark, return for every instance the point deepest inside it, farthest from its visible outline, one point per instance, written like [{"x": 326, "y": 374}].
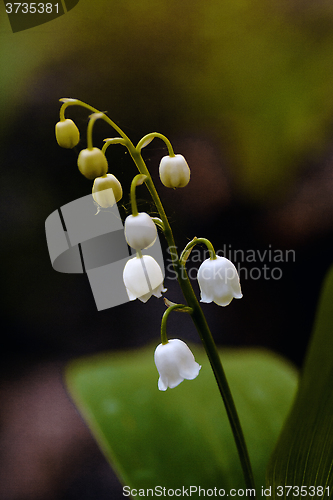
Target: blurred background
[{"x": 243, "y": 90}]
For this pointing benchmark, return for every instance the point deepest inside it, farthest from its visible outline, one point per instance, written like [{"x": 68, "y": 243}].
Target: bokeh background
[{"x": 244, "y": 90}]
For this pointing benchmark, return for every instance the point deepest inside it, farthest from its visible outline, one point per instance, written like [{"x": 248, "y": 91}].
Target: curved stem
[
  {"x": 62, "y": 114},
  {"x": 165, "y": 317},
  {"x": 77, "y": 102},
  {"x": 158, "y": 223},
  {"x": 113, "y": 140},
  {"x": 187, "y": 250},
  {"x": 137, "y": 181},
  {"x": 149, "y": 137},
  {"x": 191, "y": 299},
  {"x": 93, "y": 118},
  {"x": 66, "y": 102}
]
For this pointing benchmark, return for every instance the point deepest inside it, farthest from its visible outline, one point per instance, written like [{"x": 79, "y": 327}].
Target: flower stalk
[
  {"x": 185, "y": 284},
  {"x": 93, "y": 118},
  {"x": 202, "y": 327},
  {"x": 196, "y": 241},
  {"x": 137, "y": 181},
  {"x": 149, "y": 137},
  {"x": 165, "y": 316}
]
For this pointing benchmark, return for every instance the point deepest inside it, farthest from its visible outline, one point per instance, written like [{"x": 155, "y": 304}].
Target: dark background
[{"x": 244, "y": 91}]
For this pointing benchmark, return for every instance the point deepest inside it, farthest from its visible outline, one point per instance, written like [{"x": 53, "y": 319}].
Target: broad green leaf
[
  {"x": 181, "y": 437},
  {"x": 304, "y": 453}
]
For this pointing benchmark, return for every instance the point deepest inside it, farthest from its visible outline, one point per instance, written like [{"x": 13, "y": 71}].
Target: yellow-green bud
[
  {"x": 174, "y": 171},
  {"x": 92, "y": 163},
  {"x": 107, "y": 190},
  {"x": 67, "y": 133}
]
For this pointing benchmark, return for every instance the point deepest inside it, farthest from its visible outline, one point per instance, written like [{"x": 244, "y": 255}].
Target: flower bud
[
  {"x": 174, "y": 362},
  {"x": 92, "y": 163},
  {"x": 67, "y": 133},
  {"x": 107, "y": 190},
  {"x": 174, "y": 171},
  {"x": 219, "y": 281},
  {"x": 140, "y": 231},
  {"x": 143, "y": 278}
]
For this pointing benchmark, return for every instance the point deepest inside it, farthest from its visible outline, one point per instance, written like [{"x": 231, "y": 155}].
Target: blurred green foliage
[
  {"x": 181, "y": 437},
  {"x": 256, "y": 75},
  {"x": 304, "y": 453}
]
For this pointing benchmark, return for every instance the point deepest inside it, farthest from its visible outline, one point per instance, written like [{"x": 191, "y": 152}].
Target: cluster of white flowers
[
  {"x": 218, "y": 281},
  {"x": 217, "y": 276},
  {"x": 142, "y": 275}
]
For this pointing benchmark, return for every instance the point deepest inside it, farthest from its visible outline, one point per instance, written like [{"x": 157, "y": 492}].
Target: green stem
[
  {"x": 192, "y": 301},
  {"x": 201, "y": 326},
  {"x": 66, "y": 102},
  {"x": 149, "y": 137},
  {"x": 187, "y": 250},
  {"x": 137, "y": 181},
  {"x": 113, "y": 140},
  {"x": 91, "y": 123},
  {"x": 214, "y": 358},
  {"x": 77, "y": 102},
  {"x": 165, "y": 316},
  {"x": 158, "y": 223}
]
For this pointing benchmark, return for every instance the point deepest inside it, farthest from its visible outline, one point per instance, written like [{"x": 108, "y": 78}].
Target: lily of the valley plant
[{"x": 217, "y": 276}]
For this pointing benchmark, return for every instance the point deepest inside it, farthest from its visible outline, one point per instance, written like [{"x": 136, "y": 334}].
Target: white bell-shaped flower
[
  {"x": 219, "y": 281},
  {"x": 174, "y": 171},
  {"x": 174, "y": 362},
  {"x": 143, "y": 278},
  {"x": 140, "y": 231},
  {"x": 67, "y": 133},
  {"x": 107, "y": 190}
]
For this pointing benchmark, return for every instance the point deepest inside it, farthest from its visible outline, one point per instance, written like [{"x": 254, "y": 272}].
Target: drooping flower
[
  {"x": 67, "y": 133},
  {"x": 140, "y": 231},
  {"x": 143, "y": 278},
  {"x": 174, "y": 362},
  {"x": 92, "y": 163},
  {"x": 107, "y": 190},
  {"x": 219, "y": 281},
  {"x": 174, "y": 171}
]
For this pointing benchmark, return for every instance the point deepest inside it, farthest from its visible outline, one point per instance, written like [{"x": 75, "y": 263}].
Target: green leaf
[
  {"x": 304, "y": 453},
  {"x": 181, "y": 437}
]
